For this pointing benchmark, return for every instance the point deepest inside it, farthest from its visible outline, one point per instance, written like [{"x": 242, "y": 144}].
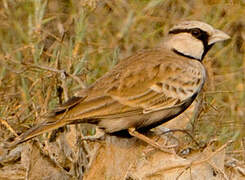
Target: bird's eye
[{"x": 196, "y": 32}]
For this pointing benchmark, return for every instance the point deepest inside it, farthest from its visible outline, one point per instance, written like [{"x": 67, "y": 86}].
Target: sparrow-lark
[{"x": 143, "y": 90}]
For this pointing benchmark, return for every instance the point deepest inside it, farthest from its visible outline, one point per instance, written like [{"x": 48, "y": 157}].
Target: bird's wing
[{"x": 146, "y": 82}]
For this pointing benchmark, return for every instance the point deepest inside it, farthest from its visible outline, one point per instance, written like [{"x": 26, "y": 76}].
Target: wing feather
[{"x": 146, "y": 82}]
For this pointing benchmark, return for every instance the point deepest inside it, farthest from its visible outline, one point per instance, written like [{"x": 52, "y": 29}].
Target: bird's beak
[{"x": 218, "y": 36}]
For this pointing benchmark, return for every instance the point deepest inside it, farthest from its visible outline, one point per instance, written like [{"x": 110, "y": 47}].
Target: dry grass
[{"x": 39, "y": 40}]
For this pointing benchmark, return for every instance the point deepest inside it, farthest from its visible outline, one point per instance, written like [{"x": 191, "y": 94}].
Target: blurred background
[{"x": 49, "y": 50}]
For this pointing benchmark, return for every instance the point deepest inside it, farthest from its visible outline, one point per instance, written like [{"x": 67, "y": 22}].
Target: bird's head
[{"x": 194, "y": 38}]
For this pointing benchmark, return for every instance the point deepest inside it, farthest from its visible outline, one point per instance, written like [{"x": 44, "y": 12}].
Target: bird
[{"x": 143, "y": 90}]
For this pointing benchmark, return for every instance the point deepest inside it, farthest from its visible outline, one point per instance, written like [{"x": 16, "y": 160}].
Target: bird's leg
[{"x": 133, "y": 132}]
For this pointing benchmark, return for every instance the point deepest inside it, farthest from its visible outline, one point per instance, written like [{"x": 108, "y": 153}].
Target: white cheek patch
[{"x": 186, "y": 44}]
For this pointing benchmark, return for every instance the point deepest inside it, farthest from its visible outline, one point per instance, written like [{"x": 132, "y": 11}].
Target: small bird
[{"x": 142, "y": 91}]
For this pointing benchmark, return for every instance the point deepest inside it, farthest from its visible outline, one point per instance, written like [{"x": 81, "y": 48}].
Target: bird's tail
[
  {"x": 49, "y": 124},
  {"x": 53, "y": 120}
]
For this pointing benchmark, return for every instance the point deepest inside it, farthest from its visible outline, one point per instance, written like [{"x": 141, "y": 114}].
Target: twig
[
  {"x": 62, "y": 77},
  {"x": 235, "y": 152},
  {"x": 50, "y": 158},
  {"x": 198, "y": 109},
  {"x": 181, "y": 173},
  {"x": 93, "y": 154},
  {"x": 194, "y": 163},
  {"x": 53, "y": 36},
  {"x": 191, "y": 174},
  {"x": 215, "y": 92},
  {"x": 5, "y": 123},
  {"x": 212, "y": 154},
  {"x": 46, "y": 101},
  {"x": 63, "y": 72},
  {"x": 243, "y": 146},
  {"x": 218, "y": 169}
]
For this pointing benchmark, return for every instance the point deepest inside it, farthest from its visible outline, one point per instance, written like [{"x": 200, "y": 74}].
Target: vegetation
[{"x": 49, "y": 50}]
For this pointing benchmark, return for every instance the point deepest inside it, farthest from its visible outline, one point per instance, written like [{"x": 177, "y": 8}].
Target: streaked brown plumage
[{"x": 143, "y": 90}]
